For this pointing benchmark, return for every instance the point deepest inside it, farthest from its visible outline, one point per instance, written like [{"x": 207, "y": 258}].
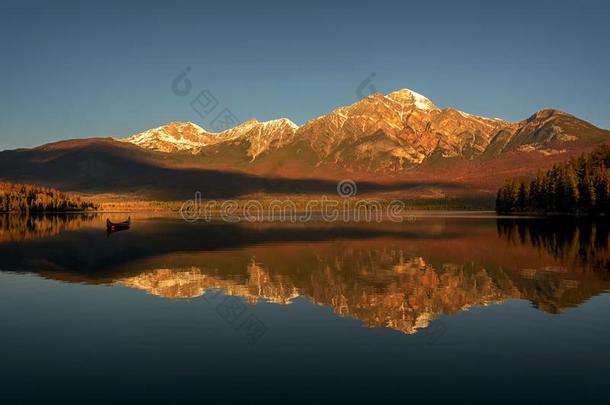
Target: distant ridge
[
  {"x": 388, "y": 133},
  {"x": 400, "y": 138}
]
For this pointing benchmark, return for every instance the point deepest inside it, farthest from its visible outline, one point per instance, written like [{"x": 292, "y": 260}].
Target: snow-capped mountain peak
[
  {"x": 186, "y": 136},
  {"x": 172, "y": 137},
  {"x": 382, "y": 132},
  {"x": 410, "y": 97},
  {"x": 281, "y": 122}
]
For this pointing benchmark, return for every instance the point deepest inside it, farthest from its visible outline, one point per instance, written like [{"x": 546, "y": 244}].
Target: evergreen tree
[
  {"x": 581, "y": 185},
  {"x": 523, "y": 197}
]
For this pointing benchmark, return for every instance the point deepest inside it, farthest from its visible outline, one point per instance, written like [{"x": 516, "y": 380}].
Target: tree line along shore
[
  {"x": 24, "y": 198},
  {"x": 580, "y": 186}
]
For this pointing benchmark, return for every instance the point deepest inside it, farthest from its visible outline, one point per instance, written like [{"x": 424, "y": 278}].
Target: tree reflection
[
  {"x": 28, "y": 227},
  {"x": 575, "y": 242}
]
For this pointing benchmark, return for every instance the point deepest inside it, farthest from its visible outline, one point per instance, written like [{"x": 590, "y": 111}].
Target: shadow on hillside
[{"x": 103, "y": 166}]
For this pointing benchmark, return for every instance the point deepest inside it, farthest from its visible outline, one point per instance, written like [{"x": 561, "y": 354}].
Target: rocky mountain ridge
[
  {"x": 387, "y": 133},
  {"x": 399, "y": 143}
]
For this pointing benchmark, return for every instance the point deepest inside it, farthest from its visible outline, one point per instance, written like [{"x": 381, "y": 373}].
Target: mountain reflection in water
[{"x": 386, "y": 275}]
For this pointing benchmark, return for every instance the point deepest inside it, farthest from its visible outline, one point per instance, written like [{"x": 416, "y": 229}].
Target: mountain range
[{"x": 399, "y": 142}]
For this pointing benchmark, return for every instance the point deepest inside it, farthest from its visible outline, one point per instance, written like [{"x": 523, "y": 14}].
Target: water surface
[{"x": 442, "y": 308}]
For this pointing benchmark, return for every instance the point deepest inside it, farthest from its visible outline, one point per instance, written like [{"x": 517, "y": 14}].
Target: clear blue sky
[{"x": 82, "y": 69}]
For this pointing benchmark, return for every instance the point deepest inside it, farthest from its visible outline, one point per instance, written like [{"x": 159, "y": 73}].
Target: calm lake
[{"x": 439, "y": 309}]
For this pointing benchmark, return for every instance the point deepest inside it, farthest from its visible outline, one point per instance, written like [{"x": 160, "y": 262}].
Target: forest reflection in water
[
  {"x": 401, "y": 277},
  {"x": 27, "y": 227},
  {"x": 577, "y": 242}
]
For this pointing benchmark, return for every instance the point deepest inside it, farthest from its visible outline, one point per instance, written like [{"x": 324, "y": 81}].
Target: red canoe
[{"x": 115, "y": 226}]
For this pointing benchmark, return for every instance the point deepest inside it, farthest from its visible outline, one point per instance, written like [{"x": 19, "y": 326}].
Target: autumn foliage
[{"x": 30, "y": 198}]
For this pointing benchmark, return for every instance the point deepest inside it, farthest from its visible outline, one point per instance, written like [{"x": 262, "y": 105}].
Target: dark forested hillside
[
  {"x": 578, "y": 186},
  {"x": 30, "y": 198}
]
